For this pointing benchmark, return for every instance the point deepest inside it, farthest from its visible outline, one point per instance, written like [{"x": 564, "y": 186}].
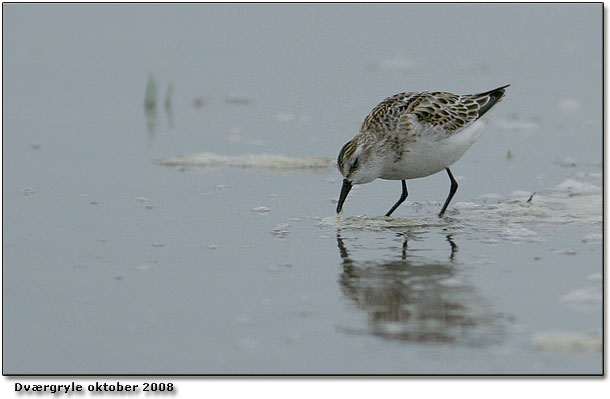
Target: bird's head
[{"x": 358, "y": 165}]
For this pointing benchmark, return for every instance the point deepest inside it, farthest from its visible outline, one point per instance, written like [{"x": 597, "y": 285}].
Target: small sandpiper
[{"x": 413, "y": 135}]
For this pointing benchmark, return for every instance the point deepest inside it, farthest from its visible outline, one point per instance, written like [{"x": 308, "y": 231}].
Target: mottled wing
[
  {"x": 444, "y": 114},
  {"x": 436, "y": 114},
  {"x": 440, "y": 114},
  {"x": 384, "y": 117}
]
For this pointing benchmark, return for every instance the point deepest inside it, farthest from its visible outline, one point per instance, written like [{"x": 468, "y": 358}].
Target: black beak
[{"x": 344, "y": 191}]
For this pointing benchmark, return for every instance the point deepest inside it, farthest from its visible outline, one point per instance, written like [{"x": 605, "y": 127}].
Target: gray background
[{"x": 113, "y": 263}]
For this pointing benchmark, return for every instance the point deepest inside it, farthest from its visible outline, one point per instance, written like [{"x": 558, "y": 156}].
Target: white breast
[{"x": 429, "y": 154}]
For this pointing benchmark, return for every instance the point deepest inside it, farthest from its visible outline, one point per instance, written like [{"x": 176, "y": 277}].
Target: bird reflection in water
[{"x": 417, "y": 299}]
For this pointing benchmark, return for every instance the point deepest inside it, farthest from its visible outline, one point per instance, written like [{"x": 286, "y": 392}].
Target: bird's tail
[{"x": 488, "y": 99}]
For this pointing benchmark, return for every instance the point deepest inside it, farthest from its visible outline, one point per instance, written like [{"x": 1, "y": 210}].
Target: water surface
[{"x": 128, "y": 251}]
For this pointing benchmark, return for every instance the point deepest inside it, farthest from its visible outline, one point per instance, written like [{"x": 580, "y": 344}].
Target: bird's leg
[
  {"x": 402, "y": 198},
  {"x": 454, "y": 187}
]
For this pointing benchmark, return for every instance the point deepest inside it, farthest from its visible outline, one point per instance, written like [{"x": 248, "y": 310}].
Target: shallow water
[{"x": 169, "y": 192}]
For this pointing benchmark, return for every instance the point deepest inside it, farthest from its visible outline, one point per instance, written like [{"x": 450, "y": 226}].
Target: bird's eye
[{"x": 355, "y": 164}]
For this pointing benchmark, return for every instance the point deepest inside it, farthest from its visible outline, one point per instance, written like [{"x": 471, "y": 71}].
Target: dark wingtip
[
  {"x": 499, "y": 90},
  {"x": 494, "y": 95}
]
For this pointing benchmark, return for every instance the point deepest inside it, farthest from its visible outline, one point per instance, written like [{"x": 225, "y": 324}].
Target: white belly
[{"x": 429, "y": 155}]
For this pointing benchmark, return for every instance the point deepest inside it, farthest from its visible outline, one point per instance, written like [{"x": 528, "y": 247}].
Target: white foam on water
[
  {"x": 467, "y": 205},
  {"x": 256, "y": 161},
  {"x": 366, "y": 223},
  {"x": 573, "y": 200},
  {"x": 490, "y": 196},
  {"x": 576, "y": 187},
  {"x": 519, "y": 234},
  {"x": 583, "y": 297},
  {"x": 519, "y": 217},
  {"x": 566, "y": 342}
]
